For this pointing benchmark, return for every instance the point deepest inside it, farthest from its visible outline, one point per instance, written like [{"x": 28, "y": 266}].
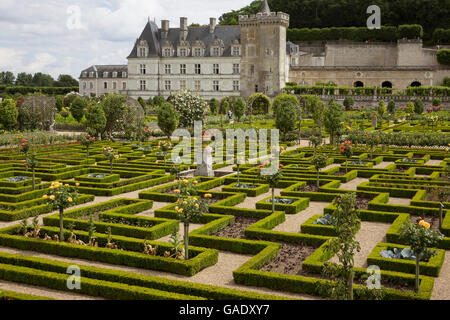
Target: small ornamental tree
[
  {"x": 164, "y": 146},
  {"x": 272, "y": 180},
  {"x": 223, "y": 108},
  {"x": 347, "y": 152},
  {"x": 418, "y": 106},
  {"x": 319, "y": 162},
  {"x": 348, "y": 102},
  {"x": 87, "y": 141},
  {"x": 315, "y": 141},
  {"x": 95, "y": 119},
  {"x": 391, "y": 107},
  {"x": 32, "y": 163},
  {"x": 372, "y": 141},
  {"x": 286, "y": 118},
  {"x": 332, "y": 119},
  {"x": 110, "y": 155},
  {"x": 213, "y": 104},
  {"x": 167, "y": 118},
  {"x": 410, "y": 108},
  {"x": 381, "y": 110},
  {"x": 77, "y": 108},
  {"x": 189, "y": 207},
  {"x": 345, "y": 221},
  {"x": 437, "y": 102},
  {"x": 60, "y": 197},
  {"x": 238, "y": 108},
  {"x": 316, "y": 107},
  {"x": 190, "y": 107},
  {"x": 8, "y": 114},
  {"x": 420, "y": 238},
  {"x": 283, "y": 98}
]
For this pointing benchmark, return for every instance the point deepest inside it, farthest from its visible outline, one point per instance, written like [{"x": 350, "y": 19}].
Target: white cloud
[{"x": 35, "y": 36}]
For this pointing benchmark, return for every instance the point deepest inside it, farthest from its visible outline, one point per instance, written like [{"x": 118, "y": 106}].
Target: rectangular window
[
  {"x": 124, "y": 85},
  {"x": 105, "y": 85},
  {"x": 236, "y": 69},
  {"x": 143, "y": 85},
  {"x": 216, "y": 85},
  {"x": 84, "y": 85},
  {"x": 124, "y": 74},
  {"x": 215, "y": 52},
  {"x": 198, "y": 85},
  {"x": 114, "y": 74},
  {"x": 216, "y": 68},
  {"x": 168, "y": 85},
  {"x": 91, "y": 85},
  {"x": 114, "y": 85},
  {"x": 198, "y": 69},
  {"x": 142, "y": 52},
  {"x": 143, "y": 69},
  {"x": 167, "y": 68},
  {"x": 182, "y": 84},
  {"x": 183, "y": 52},
  {"x": 236, "y": 51},
  {"x": 236, "y": 85},
  {"x": 182, "y": 69},
  {"x": 252, "y": 70},
  {"x": 197, "y": 52},
  {"x": 167, "y": 52}
]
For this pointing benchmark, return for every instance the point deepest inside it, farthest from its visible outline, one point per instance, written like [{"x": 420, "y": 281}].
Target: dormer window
[
  {"x": 217, "y": 48},
  {"x": 124, "y": 74},
  {"x": 183, "y": 52},
  {"x": 167, "y": 52},
  {"x": 142, "y": 52},
  {"x": 105, "y": 74},
  {"x": 114, "y": 74},
  {"x": 91, "y": 74},
  {"x": 198, "y": 52},
  {"x": 216, "y": 52},
  {"x": 84, "y": 74}
]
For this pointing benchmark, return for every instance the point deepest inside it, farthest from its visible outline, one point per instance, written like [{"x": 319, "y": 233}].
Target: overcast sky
[{"x": 64, "y": 37}]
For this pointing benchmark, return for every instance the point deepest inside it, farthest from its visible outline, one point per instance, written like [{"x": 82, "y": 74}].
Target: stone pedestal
[{"x": 205, "y": 169}]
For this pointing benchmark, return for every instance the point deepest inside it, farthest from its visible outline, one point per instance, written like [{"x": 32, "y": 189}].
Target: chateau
[{"x": 254, "y": 56}]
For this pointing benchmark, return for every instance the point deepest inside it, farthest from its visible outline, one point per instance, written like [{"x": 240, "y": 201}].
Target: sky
[{"x": 65, "y": 37}]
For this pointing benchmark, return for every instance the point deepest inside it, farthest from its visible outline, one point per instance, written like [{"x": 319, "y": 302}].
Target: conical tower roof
[{"x": 265, "y": 8}]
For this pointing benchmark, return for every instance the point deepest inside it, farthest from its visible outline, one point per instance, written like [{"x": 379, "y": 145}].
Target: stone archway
[
  {"x": 416, "y": 84},
  {"x": 386, "y": 84},
  {"x": 358, "y": 84}
]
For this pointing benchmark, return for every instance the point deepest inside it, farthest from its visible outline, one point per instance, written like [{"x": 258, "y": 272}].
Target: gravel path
[
  {"x": 382, "y": 165},
  {"x": 293, "y": 222},
  {"x": 351, "y": 185},
  {"x": 399, "y": 201},
  {"x": 221, "y": 274},
  {"x": 441, "y": 289}
]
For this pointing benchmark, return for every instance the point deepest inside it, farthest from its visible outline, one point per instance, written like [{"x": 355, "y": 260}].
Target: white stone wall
[
  {"x": 99, "y": 87},
  {"x": 156, "y": 76}
]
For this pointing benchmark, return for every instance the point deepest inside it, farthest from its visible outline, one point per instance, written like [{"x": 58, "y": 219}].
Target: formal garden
[{"x": 357, "y": 207}]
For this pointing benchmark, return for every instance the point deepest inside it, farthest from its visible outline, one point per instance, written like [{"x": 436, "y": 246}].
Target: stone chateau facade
[{"x": 254, "y": 56}]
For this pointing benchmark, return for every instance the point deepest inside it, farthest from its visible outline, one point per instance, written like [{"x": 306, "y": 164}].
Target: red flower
[
  {"x": 261, "y": 166},
  {"x": 24, "y": 140},
  {"x": 281, "y": 166},
  {"x": 25, "y": 164},
  {"x": 23, "y": 144}
]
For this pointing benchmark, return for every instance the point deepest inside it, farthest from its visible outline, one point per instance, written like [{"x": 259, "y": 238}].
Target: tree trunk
[
  {"x": 417, "y": 273},
  {"x": 350, "y": 285},
  {"x": 34, "y": 180},
  {"x": 318, "y": 178},
  {"x": 440, "y": 215},
  {"x": 61, "y": 224},
  {"x": 273, "y": 199},
  {"x": 186, "y": 241}
]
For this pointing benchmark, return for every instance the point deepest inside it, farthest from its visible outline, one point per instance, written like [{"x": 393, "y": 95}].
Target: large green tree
[
  {"x": 286, "y": 118},
  {"x": 7, "y": 77},
  {"x": 65, "y": 80},
  {"x": 333, "y": 118},
  {"x": 77, "y": 108},
  {"x": 114, "y": 107},
  {"x": 167, "y": 118},
  {"x": 8, "y": 114}
]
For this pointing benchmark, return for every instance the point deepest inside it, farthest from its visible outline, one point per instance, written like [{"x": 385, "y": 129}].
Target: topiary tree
[
  {"x": 238, "y": 108},
  {"x": 286, "y": 117},
  {"x": 410, "y": 108},
  {"x": 418, "y": 106},
  {"x": 391, "y": 107},
  {"x": 258, "y": 103},
  {"x": 437, "y": 102},
  {"x": 272, "y": 180},
  {"x": 191, "y": 107},
  {"x": 381, "y": 110},
  {"x": 443, "y": 56},
  {"x": 348, "y": 102},
  {"x": 316, "y": 108},
  {"x": 282, "y": 98},
  {"x": 95, "y": 119},
  {"x": 319, "y": 162},
  {"x": 332, "y": 119},
  {"x": 8, "y": 114},
  {"x": 167, "y": 118},
  {"x": 223, "y": 109},
  {"x": 213, "y": 104},
  {"x": 345, "y": 221},
  {"x": 77, "y": 108},
  {"x": 114, "y": 107},
  {"x": 158, "y": 101},
  {"x": 420, "y": 237},
  {"x": 59, "y": 103}
]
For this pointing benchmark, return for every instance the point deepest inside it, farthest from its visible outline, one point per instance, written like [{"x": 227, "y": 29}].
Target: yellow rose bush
[{"x": 60, "y": 197}]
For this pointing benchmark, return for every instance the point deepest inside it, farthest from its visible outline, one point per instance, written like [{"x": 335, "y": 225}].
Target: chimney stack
[
  {"x": 212, "y": 25},
  {"x": 183, "y": 28},
  {"x": 164, "y": 28}
]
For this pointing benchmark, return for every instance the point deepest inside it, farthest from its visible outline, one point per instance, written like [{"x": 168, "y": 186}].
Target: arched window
[
  {"x": 358, "y": 84},
  {"x": 386, "y": 84},
  {"x": 416, "y": 84}
]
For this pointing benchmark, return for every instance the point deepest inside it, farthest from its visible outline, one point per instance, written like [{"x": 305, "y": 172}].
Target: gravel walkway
[
  {"x": 351, "y": 185},
  {"x": 293, "y": 222},
  {"x": 441, "y": 290}
]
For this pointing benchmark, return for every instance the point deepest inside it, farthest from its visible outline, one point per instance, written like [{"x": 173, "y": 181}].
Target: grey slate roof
[
  {"x": 100, "y": 69},
  {"x": 152, "y": 34}
]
